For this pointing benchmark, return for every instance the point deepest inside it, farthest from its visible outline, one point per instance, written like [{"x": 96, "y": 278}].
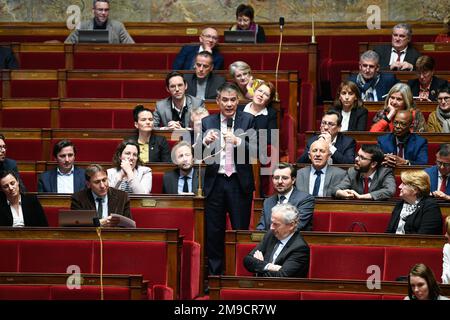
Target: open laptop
[
  {"x": 93, "y": 36},
  {"x": 78, "y": 218},
  {"x": 239, "y": 36}
]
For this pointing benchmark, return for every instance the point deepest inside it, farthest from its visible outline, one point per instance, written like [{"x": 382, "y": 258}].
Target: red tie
[
  {"x": 400, "y": 150},
  {"x": 443, "y": 184},
  {"x": 366, "y": 185}
]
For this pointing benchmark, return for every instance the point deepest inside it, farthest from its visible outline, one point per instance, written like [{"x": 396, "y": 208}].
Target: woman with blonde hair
[
  {"x": 242, "y": 76},
  {"x": 399, "y": 98},
  {"x": 417, "y": 212}
]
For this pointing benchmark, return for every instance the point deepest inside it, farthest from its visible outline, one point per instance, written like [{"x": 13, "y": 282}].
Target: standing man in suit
[
  {"x": 229, "y": 139},
  {"x": 282, "y": 252},
  {"x": 183, "y": 179},
  {"x": 116, "y": 29},
  {"x": 185, "y": 59},
  {"x": 203, "y": 84},
  {"x": 342, "y": 148},
  {"x": 368, "y": 179},
  {"x": 319, "y": 178},
  {"x": 372, "y": 84},
  {"x": 283, "y": 180},
  {"x": 7, "y": 59},
  {"x": 440, "y": 173},
  {"x": 100, "y": 197},
  {"x": 174, "y": 112},
  {"x": 400, "y": 55},
  {"x": 401, "y": 147},
  {"x": 65, "y": 178},
  {"x": 7, "y": 164}
]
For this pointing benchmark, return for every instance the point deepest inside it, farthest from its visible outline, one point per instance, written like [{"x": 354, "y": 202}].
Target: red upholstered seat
[
  {"x": 42, "y": 60},
  {"x": 25, "y": 149},
  {"x": 30, "y": 180},
  {"x": 399, "y": 260},
  {"x": 242, "y": 250},
  {"x": 146, "y": 89},
  {"x": 94, "y": 89},
  {"x": 344, "y": 262},
  {"x": 24, "y": 292},
  {"x": 321, "y": 221},
  {"x": 250, "y": 294},
  {"x": 393, "y": 296},
  {"x": 157, "y": 182},
  {"x": 95, "y": 61},
  {"x": 123, "y": 119},
  {"x": 338, "y": 296},
  {"x": 153, "y": 60},
  {"x": 89, "y": 293},
  {"x": 93, "y": 150},
  {"x": 253, "y": 59},
  {"x": 9, "y": 251},
  {"x": 34, "y": 89},
  {"x": 89, "y": 118},
  {"x": 52, "y": 214},
  {"x": 343, "y": 221},
  {"x": 26, "y": 118},
  {"x": 432, "y": 150}
]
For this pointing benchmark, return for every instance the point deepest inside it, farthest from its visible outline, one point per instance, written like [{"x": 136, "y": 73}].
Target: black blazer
[
  {"x": 243, "y": 121},
  {"x": 293, "y": 258},
  {"x": 358, "y": 118},
  {"x": 170, "y": 181},
  {"x": 158, "y": 148},
  {"x": 33, "y": 214},
  {"x": 385, "y": 50},
  {"x": 427, "y": 219},
  {"x": 345, "y": 152},
  {"x": 436, "y": 85},
  {"x": 7, "y": 59},
  {"x": 213, "y": 83},
  {"x": 268, "y": 122}
]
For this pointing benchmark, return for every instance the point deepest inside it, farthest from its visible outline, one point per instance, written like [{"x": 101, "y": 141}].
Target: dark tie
[
  {"x": 282, "y": 198},
  {"x": 366, "y": 185},
  {"x": 185, "y": 185},
  {"x": 399, "y": 54},
  {"x": 400, "y": 150},
  {"x": 317, "y": 183},
  {"x": 272, "y": 260},
  {"x": 100, "y": 208},
  {"x": 443, "y": 184}
]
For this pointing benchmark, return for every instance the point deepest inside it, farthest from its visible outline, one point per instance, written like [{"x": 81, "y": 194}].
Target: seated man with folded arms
[
  {"x": 65, "y": 178},
  {"x": 100, "y": 9},
  {"x": 100, "y": 197},
  {"x": 440, "y": 173},
  {"x": 372, "y": 84},
  {"x": 185, "y": 59},
  {"x": 203, "y": 83},
  {"x": 319, "y": 178},
  {"x": 368, "y": 179},
  {"x": 342, "y": 147},
  {"x": 283, "y": 180},
  {"x": 282, "y": 252},
  {"x": 401, "y": 147},
  {"x": 183, "y": 179},
  {"x": 9, "y": 164},
  {"x": 174, "y": 112}
]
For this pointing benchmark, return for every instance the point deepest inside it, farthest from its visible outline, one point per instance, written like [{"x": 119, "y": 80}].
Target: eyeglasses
[
  {"x": 327, "y": 123},
  {"x": 400, "y": 124},
  {"x": 210, "y": 37},
  {"x": 3, "y": 148},
  {"x": 442, "y": 164},
  {"x": 446, "y": 99},
  {"x": 360, "y": 157}
]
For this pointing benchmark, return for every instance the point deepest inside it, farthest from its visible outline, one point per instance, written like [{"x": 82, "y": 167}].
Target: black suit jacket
[
  {"x": 170, "y": 181},
  {"x": 427, "y": 219},
  {"x": 385, "y": 50},
  {"x": 118, "y": 201},
  {"x": 7, "y": 59},
  {"x": 48, "y": 180},
  {"x": 358, "y": 119},
  {"x": 243, "y": 121},
  {"x": 214, "y": 81},
  {"x": 185, "y": 58},
  {"x": 158, "y": 148},
  {"x": 436, "y": 85},
  {"x": 293, "y": 258},
  {"x": 345, "y": 152},
  {"x": 33, "y": 214}
]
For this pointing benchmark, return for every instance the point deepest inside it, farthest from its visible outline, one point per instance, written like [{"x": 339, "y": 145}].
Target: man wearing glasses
[
  {"x": 185, "y": 59},
  {"x": 368, "y": 179},
  {"x": 117, "y": 31},
  {"x": 342, "y": 147},
  {"x": 439, "y": 174}
]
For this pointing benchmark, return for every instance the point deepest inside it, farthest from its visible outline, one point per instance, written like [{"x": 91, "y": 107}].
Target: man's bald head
[{"x": 319, "y": 153}]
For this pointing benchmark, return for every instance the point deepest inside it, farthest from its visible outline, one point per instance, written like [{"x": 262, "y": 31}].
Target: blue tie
[{"x": 317, "y": 183}]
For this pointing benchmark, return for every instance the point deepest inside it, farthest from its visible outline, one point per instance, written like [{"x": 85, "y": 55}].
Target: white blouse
[
  {"x": 18, "y": 221},
  {"x": 446, "y": 264},
  {"x": 141, "y": 183}
]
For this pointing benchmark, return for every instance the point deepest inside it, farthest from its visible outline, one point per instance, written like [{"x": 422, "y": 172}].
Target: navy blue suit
[
  {"x": 433, "y": 172},
  {"x": 415, "y": 149},
  {"x": 386, "y": 82},
  {"x": 345, "y": 152},
  {"x": 48, "y": 182},
  {"x": 7, "y": 59},
  {"x": 224, "y": 194},
  {"x": 185, "y": 58}
]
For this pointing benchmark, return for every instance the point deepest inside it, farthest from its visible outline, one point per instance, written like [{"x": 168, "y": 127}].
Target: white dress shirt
[
  {"x": 312, "y": 180},
  {"x": 18, "y": 221},
  {"x": 394, "y": 56},
  {"x": 105, "y": 213},
  {"x": 64, "y": 181}
]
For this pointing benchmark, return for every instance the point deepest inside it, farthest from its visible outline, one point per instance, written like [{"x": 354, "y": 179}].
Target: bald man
[
  {"x": 209, "y": 38},
  {"x": 309, "y": 179}
]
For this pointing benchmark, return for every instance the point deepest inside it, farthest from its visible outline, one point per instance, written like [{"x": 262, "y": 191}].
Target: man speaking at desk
[{"x": 228, "y": 137}]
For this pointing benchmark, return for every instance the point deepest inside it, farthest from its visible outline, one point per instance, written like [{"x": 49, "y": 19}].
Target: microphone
[
  {"x": 229, "y": 124},
  {"x": 281, "y": 23}
]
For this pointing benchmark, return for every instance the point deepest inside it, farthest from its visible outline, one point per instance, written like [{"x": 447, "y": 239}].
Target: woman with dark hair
[
  {"x": 422, "y": 284},
  {"x": 439, "y": 120},
  {"x": 129, "y": 174},
  {"x": 349, "y": 103},
  {"x": 16, "y": 208},
  {"x": 244, "y": 21},
  {"x": 417, "y": 212},
  {"x": 151, "y": 148}
]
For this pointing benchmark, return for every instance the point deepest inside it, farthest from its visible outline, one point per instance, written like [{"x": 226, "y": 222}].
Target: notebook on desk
[
  {"x": 93, "y": 36},
  {"x": 239, "y": 36},
  {"x": 78, "y": 218}
]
